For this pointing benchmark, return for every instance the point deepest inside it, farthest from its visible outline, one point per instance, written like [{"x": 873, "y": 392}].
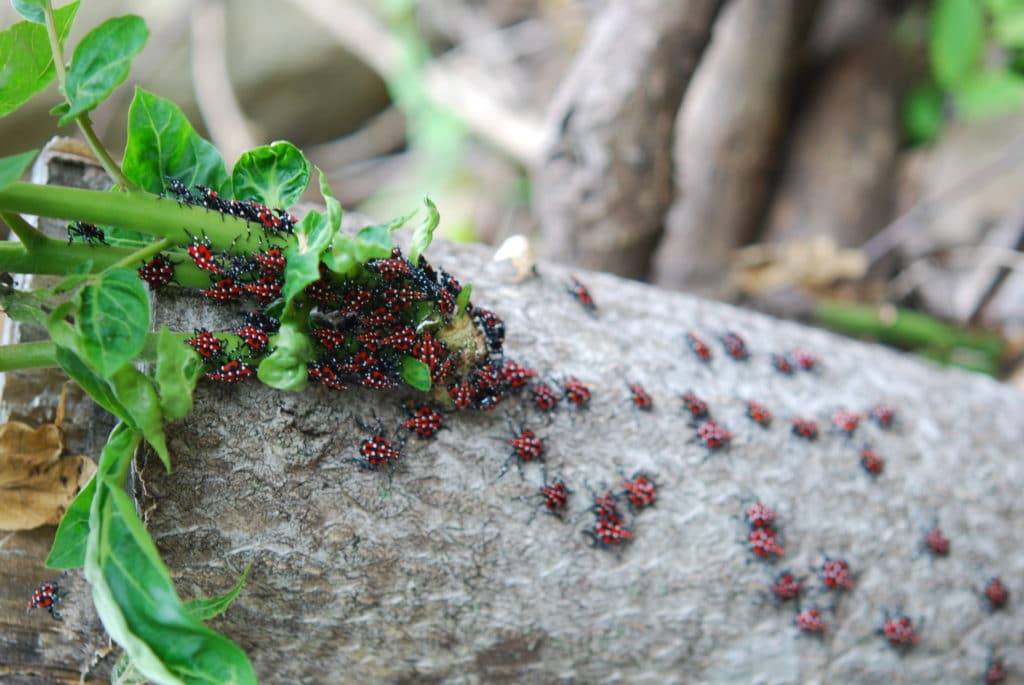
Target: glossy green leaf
[
  {"x": 330, "y": 202},
  {"x": 137, "y": 395},
  {"x": 112, "y": 318},
  {"x": 424, "y": 233},
  {"x": 101, "y": 63},
  {"x": 275, "y": 174},
  {"x": 26, "y": 63},
  {"x": 285, "y": 367},
  {"x": 97, "y": 388},
  {"x": 137, "y": 603},
  {"x": 162, "y": 143},
  {"x": 31, "y": 9},
  {"x": 348, "y": 253},
  {"x": 11, "y": 168},
  {"x": 956, "y": 40},
  {"x": 990, "y": 93},
  {"x": 205, "y": 608},
  {"x": 373, "y": 242},
  {"x": 415, "y": 373},
  {"x": 313, "y": 235},
  {"x": 178, "y": 368},
  {"x": 922, "y": 114},
  {"x": 68, "y": 549}
]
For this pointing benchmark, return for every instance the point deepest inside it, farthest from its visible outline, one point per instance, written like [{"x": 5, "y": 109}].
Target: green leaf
[
  {"x": 372, "y": 242},
  {"x": 956, "y": 40},
  {"x": 136, "y": 600},
  {"x": 11, "y": 168},
  {"x": 205, "y": 608},
  {"x": 1007, "y": 22},
  {"x": 26, "y": 63},
  {"x": 162, "y": 143},
  {"x": 922, "y": 114},
  {"x": 102, "y": 62},
  {"x": 313, "y": 235},
  {"x": 463, "y": 298},
  {"x": 285, "y": 367},
  {"x": 415, "y": 373},
  {"x": 97, "y": 388},
  {"x": 332, "y": 204},
  {"x": 275, "y": 174},
  {"x": 112, "y": 318},
  {"x": 68, "y": 550},
  {"x": 178, "y": 368},
  {"x": 424, "y": 233},
  {"x": 31, "y": 10},
  {"x": 137, "y": 395},
  {"x": 990, "y": 93}
]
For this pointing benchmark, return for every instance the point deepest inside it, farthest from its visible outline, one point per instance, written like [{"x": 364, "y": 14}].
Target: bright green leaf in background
[
  {"x": 956, "y": 40},
  {"x": 31, "y": 9},
  {"x": 275, "y": 175},
  {"x": 113, "y": 319},
  {"x": 990, "y": 93},
  {"x": 11, "y": 168},
  {"x": 424, "y": 233},
  {"x": 1007, "y": 21},
  {"x": 162, "y": 143},
  {"x": 178, "y": 369},
  {"x": 102, "y": 62},
  {"x": 26, "y": 63},
  {"x": 923, "y": 113}
]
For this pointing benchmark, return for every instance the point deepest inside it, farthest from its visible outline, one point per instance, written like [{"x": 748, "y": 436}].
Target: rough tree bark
[
  {"x": 437, "y": 572},
  {"x": 605, "y": 183}
]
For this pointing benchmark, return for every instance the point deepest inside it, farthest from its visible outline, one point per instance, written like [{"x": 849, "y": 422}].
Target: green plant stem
[
  {"x": 144, "y": 254},
  {"x": 26, "y": 232},
  {"x": 57, "y": 257},
  {"x": 108, "y": 163},
  {"x": 137, "y": 211},
  {"x": 28, "y": 355}
]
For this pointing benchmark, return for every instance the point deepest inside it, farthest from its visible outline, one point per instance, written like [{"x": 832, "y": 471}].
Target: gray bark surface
[
  {"x": 436, "y": 572},
  {"x": 728, "y": 133},
  {"x": 605, "y": 183}
]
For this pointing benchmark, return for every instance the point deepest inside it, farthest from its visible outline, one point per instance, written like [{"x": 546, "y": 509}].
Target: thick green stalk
[
  {"x": 29, "y": 355},
  {"x": 57, "y": 257},
  {"x": 137, "y": 211}
]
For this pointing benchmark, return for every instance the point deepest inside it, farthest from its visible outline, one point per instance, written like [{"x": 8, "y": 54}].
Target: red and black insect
[
  {"x": 180, "y": 191},
  {"x": 391, "y": 269},
  {"x": 697, "y": 407},
  {"x": 329, "y": 338},
  {"x": 734, "y": 346},
  {"x": 995, "y": 670},
  {"x": 606, "y": 507},
  {"x": 526, "y": 446},
  {"x": 202, "y": 256},
  {"x": 493, "y": 328},
  {"x": 544, "y": 397},
  {"x": 713, "y": 435},
  {"x": 157, "y": 272},
  {"x": 607, "y": 533},
  {"x": 515, "y": 375},
  {"x": 835, "y": 574},
  {"x": 805, "y": 360},
  {"x": 764, "y": 542},
  {"x": 425, "y": 421},
  {"x": 898, "y": 629},
  {"x": 760, "y": 515},
  {"x": 758, "y": 413},
  {"x": 90, "y": 233},
  {"x": 996, "y": 593},
  {"x": 46, "y": 596},
  {"x": 232, "y": 371},
  {"x": 846, "y": 421},
  {"x": 265, "y": 290},
  {"x": 254, "y": 337},
  {"x": 805, "y": 428},
  {"x": 327, "y": 374},
  {"x": 401, "y": 297},
  {"x": 377, "y": 451},
  {"x": 211, "y": 199},
  {"x": 576, "y": 392},
  {"x": 555, "y": 495},
  {"x": 871, "y": 461},
  {"x": 271, "y": 262},
  {"x": 379, "y": 377},
  {"x": 786, "y": 586},
  {"x": 937, "y": 543},
  {"x": 435, "y": 355},
  {"x": 640, "y": 490},
  {"x": 783, "y": 364},
  {"x": 461, "y": 393},
  {"x": 883, "y": 415},
  {"x": 582, "y": 295},
  {"x": 224, "y": 290},
  {"x": 809, "y": 620},
  {"x": 209, "y": 346},
  {"x": 699, "y": 347},
  {"x": 322, "y": 292},
  {"x": 640, "y": 398}
]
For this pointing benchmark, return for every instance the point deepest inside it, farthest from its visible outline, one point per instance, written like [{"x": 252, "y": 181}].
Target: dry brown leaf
[
  {"x": 808, "y": 263},
  {"x": 41, "y": 498},
  {"x": 36, "y": 483}
]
